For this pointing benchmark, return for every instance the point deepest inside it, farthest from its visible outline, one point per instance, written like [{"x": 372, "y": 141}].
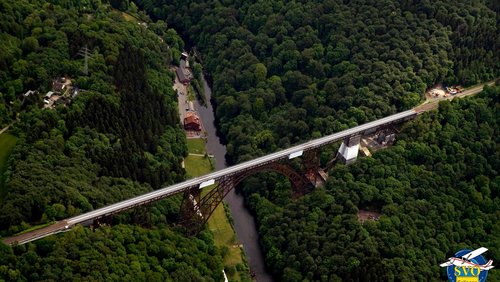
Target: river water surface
[{"x": 244, "y": 223}]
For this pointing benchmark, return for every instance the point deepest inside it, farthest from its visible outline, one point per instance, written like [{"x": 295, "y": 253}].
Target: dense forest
[
  {"x": 437, "y": 189},
  {"x": 125, "y": 125},
  {"x": 287, "y": 71},
  {"x": 282, "y": 72},
  {"x": 120, "y": 136},
  {"x": 120, "y": 253}
]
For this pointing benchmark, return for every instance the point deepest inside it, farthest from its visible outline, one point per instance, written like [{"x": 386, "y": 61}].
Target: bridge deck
[
  {"x": 199, "y": 181},
  {"x": 177, "y": 188}
]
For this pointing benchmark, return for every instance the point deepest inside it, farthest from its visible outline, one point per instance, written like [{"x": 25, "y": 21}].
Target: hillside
[
  {"x": 437, "y": 190},
  {"x": 115, "y": 135},
  {"x": 285, "y": 72}
]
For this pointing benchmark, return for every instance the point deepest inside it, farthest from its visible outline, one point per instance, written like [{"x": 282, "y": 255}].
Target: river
[{"x": 244, "y": 222}]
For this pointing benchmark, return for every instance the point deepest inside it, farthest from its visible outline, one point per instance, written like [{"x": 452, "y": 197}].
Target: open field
[
  {"x": 224, "y": 236},
  {"x": 197, "y": 165},
  {"x": 129, "y": 17},
  {"x": 196, "y": 146},
  {"x": 7, "y": 142}
]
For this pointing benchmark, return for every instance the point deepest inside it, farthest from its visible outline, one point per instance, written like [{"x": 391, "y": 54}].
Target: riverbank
[
  {"x": 244, "y": 222},
  {"x": 199, "y": 163}
]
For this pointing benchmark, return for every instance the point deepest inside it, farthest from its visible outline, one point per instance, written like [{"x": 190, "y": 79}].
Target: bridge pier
[
  {"x": 142, "y": 216},
  {"x": 191, "y": 217},
  {"x": 105, "y": 220},
  {"x": 348, "y": 151},
  {"x": 312, "y": 170}
]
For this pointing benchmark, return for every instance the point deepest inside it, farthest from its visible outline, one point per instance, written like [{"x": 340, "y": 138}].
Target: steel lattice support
[
  {"x": 190, "y": 217},
  {"x": 310, "y": 165},
  {"x": 196, "y": 211}
]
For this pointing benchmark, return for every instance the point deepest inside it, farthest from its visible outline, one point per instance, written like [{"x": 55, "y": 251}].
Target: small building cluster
[
  {"x": 191, "y": 121},
  {"x": 30, "y": 93},
  {"x": 61, "y": 93},
  {"x": 183, "y": 73},
  {"x": 438, "y": 91},
  {"x": 364, "y": 215},
  {"x": 454, "y": 89},
  {"x": 385, "y": 139}
]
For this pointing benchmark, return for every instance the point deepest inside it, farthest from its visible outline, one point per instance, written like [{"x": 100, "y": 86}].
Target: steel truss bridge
[{"x": 196, "y": 210}]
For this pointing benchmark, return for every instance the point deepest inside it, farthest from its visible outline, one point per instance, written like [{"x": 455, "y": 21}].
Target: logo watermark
[{"x": 468, "y": 266}]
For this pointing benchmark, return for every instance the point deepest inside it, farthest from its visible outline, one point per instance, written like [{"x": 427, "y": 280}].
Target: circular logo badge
[{"x": 464, "y": 273}]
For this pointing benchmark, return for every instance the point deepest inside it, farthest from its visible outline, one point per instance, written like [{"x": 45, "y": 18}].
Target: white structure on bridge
[{"x": 348, "y": 151}]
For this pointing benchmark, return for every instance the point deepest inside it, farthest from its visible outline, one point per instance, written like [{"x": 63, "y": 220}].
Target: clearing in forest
[
  {"x": 7, "y": 142},
  {"x": 364, "y": 215},
  {"x": 219, "y": 225}
]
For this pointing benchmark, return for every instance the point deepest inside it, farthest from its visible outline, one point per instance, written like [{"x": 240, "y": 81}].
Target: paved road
[
  {"x": 181, "y": 98},
  {"x": 27, "y": 237}
]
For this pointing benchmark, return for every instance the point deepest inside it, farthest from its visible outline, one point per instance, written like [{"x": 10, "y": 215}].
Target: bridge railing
[{"x": 214, "y": 176}]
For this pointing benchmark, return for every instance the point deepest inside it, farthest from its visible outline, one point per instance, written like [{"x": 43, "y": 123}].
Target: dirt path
[
  {"x": 364, "y": 215},
  {"x": 198, "y": 155},
  {"x": 5, "y": 128},
  {"x": 433, "y": 104}
]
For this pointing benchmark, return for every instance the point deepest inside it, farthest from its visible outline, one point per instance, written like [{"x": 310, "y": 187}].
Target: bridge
[{"x": 196, "y": 209}]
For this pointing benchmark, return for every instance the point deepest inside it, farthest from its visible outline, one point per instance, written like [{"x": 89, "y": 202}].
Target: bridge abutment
[{"x": 348, "y": 151}]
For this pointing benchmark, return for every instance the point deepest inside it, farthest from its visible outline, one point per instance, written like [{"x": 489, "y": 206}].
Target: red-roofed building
[{"x": 192, "y": 122}]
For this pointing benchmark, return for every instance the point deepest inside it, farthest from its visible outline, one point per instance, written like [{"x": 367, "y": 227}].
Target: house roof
[
  {"x": 191, "y": 118},
  {"x": 30, "y": 92},
  {"x": 58, "y": 86}
]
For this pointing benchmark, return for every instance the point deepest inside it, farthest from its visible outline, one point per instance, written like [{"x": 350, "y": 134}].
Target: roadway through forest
[{"x": 434, "y": 103}]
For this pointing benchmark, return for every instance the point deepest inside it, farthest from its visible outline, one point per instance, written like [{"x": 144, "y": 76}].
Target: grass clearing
[
  {"x": 224, "y": 235},
  {"x": 128, "y": 17},
  {"x": 196, "y": 146},
  {"x": 7, "y": 142},
  {"x": 190, "y": 94},
  {"x": 197, "y": 165}
]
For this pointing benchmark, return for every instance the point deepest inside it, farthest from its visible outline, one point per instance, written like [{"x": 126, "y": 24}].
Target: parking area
[{"x": 187, "y": 108}]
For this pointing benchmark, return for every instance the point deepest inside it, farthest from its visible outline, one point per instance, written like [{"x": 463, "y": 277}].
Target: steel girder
[{"x": 196, "y": 211}]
